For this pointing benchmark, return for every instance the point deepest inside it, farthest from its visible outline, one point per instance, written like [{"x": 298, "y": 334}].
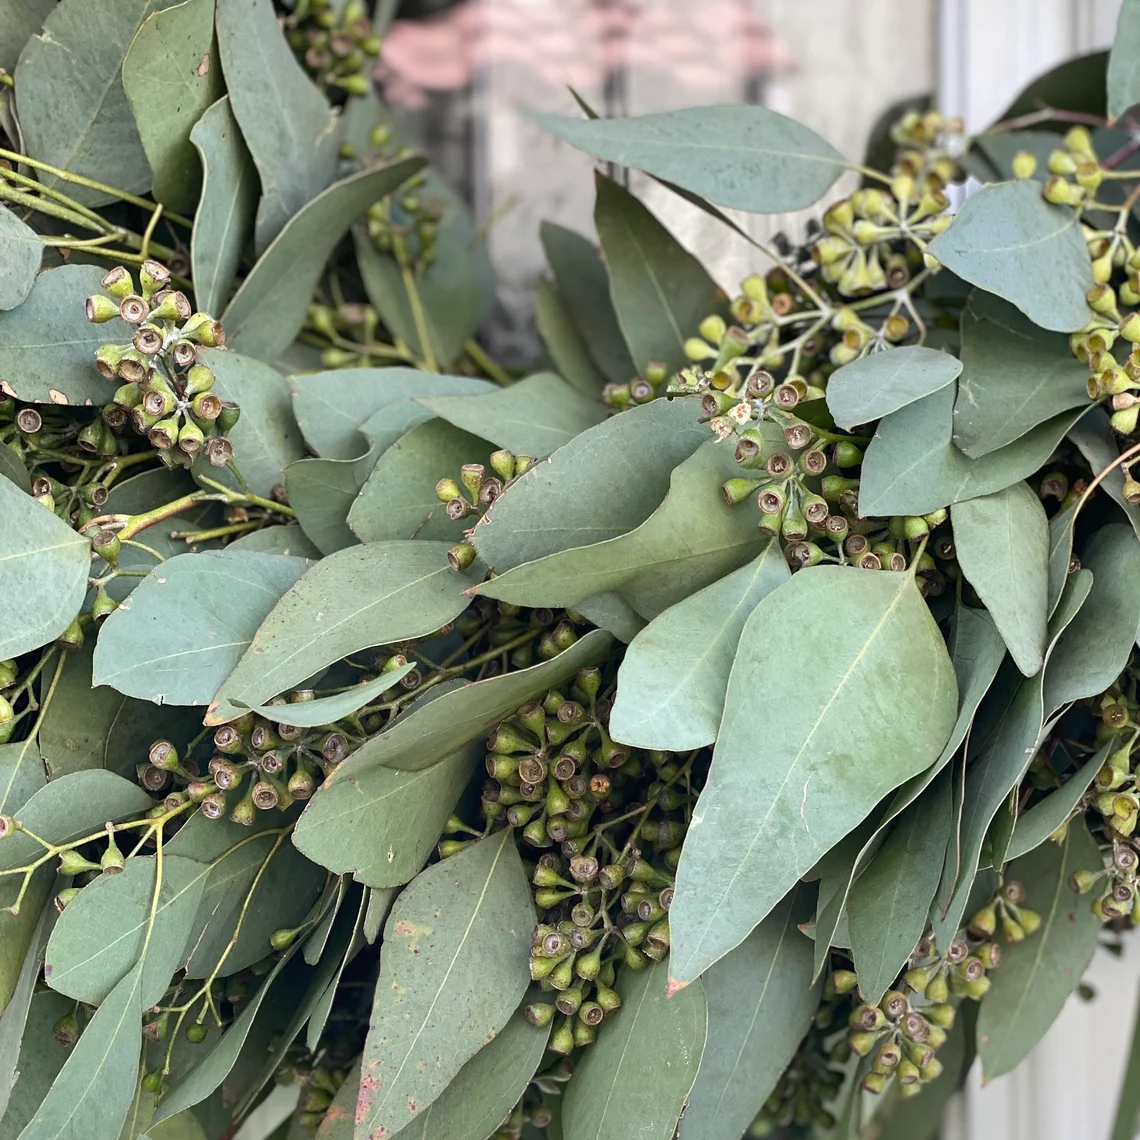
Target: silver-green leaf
[
  {"x": 874, "y": 386},
  {"x": 21, "y": 252}
]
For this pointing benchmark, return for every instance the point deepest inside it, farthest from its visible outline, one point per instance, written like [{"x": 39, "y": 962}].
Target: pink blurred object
[{"x": 577, "y": 43}]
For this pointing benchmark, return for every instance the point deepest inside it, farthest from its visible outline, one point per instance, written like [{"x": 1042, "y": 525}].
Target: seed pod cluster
[
  {"x": 335, "y": 43},
  {"x": 609, "y": 821},
  {"x": 166, "y": 393}
]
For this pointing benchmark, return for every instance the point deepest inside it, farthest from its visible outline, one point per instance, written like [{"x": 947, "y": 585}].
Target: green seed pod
[
  {"x": 72, "y": 863},
  {"x": 196, "y": 1033},
  {"x": 539, "y": 1014},
  {"x": 112, "y": 861},
  {"x": 66, "y": 1030},
  {"x": 562, "y": 1039},
  {"x": 101, "y": 309}
]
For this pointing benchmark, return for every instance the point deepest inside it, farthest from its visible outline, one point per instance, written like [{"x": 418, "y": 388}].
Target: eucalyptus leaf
[
  {"x": 583, "y": 290},
  {"x": 912, "y": 467},
  {"x": 761, "y": 1002},
  {"x": 321, "y": 493},
  {"x": 569, "y": 500},
  {"x": 768, "y": 810},
  {"x": 660, "y": 291},
  {"x": 289, "y": 539},
  {"x": 85, "y": 125},
  {"x": 30, "y": 1058},
  {"x": 1039, "y": 823},
  {"x": 20, "y": 255},
  {"x": 379, "y": 904},
  {"x": 673, "y": 678},
  {"x": 367, "y": 595},
  {"x": 874, "y": 386},
  {"x": 1096, "y": 441},
  {"x": 453, "y": 970},
  {"x": 331, "y": 407},
  {"x": 227, "y": 206},
  {"x": 290, "y": 130},
  {"x": 47, "y": 344},
  {"x": 326, "y": 710},
  {"x": 1008, "y": 240},
  {"x": 399, "y": 500},
  {"x": 888, "y": 904},
  {"x": 691, "y": 540},
  {"x": 383, "y": 824},
  {"x": 173, "y": 53},
  {"x": 1015, "y": 376},
  {"x": 92, "y": 1094},
  {"x": 1123, "y": 78},
  {"x": 269, "y": 308},
  {"x": 1060, "y": 552},
  {"x": 110, "y": 927},
  {"x": 12, "y": 468},
  {"x": 643, "y": 1067},
  {"x": 567, "y": 348},
  {"x": 44, "y": 566},
  {"x": 19, "y": 21},
  {"x": 534, "y": 416},
  {"x": 333, "y": 965},
  {"x": 1039, "y": 974},
  {"x": 1002, "y": 545},
  {"x": 483, "y": 1092},
  {"x": 745, "y": 157},
  {"x": 1095, "y": 648},
  {"x": 440, "y": 721},
  {"x": 1128, "y": 1106},
  {"x": 207, "y": 608}
]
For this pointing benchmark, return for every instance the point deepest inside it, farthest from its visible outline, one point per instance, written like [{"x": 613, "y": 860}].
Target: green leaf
[
  {"x": 70, "y": 807},
  {"x": 1015, "y": 376},
  {"x": 746, "y": 157},
  {"x": 379, "y": 904},
  {"x": 912, "y": 466},
  {"x": 331, "y": 407},
  {"x": 47, "y": 345},
  {"x": 215, "y": 1065},
  {"x": 170, "y": 76},
  {"x": 383, "y": 824},
  {"x": 1008, "y": 240},
  {"x": 20, "y": 255},
  {"x": 43, "y": 572},
  {"x": 997, "y": 150},
  {"x": 888, "y": 904},
  {"x": 30, "y": 1058},
  {"x": 1002, "y": 544},
  {"x": 1078, "y": 84},
  {"x": 784, "y": 785},
  {"x": 85, "y": 728},
  {"x": 874, "y": 386},
  {"x": 976, "y": 651},
  {"x": 566, "y": 347},
  {"x": 103, "y": 933},
  {"x": 339, "y": 955},
  {"x": 1123, "y": 79},
  {"x": 12, "y": 468},
  {"x": 207, "y": 608},
  {"x": 290, "y": 130},
  {"x": 660, "y": 291},
  {"x": 365, "y": 595},
  {"x": 1097, "y": 442},
  {"x": 321, "y": 493},
  {"x": 266, "y": 439},
  {"x": 673, "y": 678},
  {"x": 1093, "y": 651},
  {"x": 227, "y": 206},
  {"x": 582, "y": 287},
  {"x": 1038, "y": 975},
  {"x": 236, "y": 859},
  {"x": 613, "y": 1083},
  {"x": 454, "y": 969},
  {"x": 19, "y": 21},
  {"x": 692, "y": 539},
  {"x": 92, "y": 1094},
  {"x": 452, "y": 290},
  {"x": 603, "y": 483},
  {"x": 399, "y": 499},
  {"x": 1042, "y": 820},
  {"x": 288, "y": 540},
  {"x": 534, "y": 416},
  {"x": 483, "y": 1092},
  {"x": 1060, "y": 553},
  {"x": 269, "y": 308},
  {"x": 326, "y": 710},
  {"x": 1001, "y": 759},
  {"x": 761, "y": 1002},
  {"x": 1127, "y": 1121},
  {"x": 440, "y": 722},
  {"x": 84, "y": 125}
]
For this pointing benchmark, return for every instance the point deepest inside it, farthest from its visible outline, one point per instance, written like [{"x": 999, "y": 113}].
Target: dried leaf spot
[
  {"x": 57, "y": 397},
  {"x": 204, "y": 66},
  {"x": 411, "y": 1104}
]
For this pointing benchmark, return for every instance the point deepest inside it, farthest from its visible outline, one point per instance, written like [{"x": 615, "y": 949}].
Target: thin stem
[
  {"x": 148, "y": 233},
  {"x": 496, "y": 371},
  {"x": 217, "y": 532},
  {"x": 419, "y": 316}
]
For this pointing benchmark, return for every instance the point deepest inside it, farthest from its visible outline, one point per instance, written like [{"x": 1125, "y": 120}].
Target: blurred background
[{"x": 457, "y": 74}]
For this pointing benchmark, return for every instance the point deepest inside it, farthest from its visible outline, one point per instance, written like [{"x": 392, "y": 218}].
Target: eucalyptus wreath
[{"x": 728, "y": 730}]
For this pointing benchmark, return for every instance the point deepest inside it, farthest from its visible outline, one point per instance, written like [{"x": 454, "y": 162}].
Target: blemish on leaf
[
  {"x": 57, "y": 397},
  {"x": 204, "y": 65}
]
